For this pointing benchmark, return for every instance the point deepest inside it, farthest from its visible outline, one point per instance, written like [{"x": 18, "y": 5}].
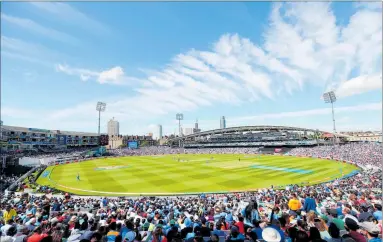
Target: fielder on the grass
[{"x": 78, "y": 177}]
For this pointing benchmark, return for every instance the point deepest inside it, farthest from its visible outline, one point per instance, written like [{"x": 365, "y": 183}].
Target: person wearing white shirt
[{"x": 5, "y": 228}]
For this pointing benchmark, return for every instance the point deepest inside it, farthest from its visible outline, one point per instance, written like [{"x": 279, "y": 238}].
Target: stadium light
[
  {"x": 100, "y": 108},
  {"x": 179, "y": 117},
  {"x": 329, "y": 97}
]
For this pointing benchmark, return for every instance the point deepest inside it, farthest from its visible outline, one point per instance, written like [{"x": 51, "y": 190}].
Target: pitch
[{"x": 188, "y": 174}]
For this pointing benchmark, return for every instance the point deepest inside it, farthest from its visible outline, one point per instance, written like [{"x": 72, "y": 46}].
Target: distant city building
[
  {"x": 141, "y": 139},
  {"x": 115, "y": 142},
  {"x": 113, "y": 127},
  {"x": 187, "y": 131},
  {"x": 159, "y": 132},
  {"x": 150, "y": 134},
  {"x": 196, "y": 129},
  {"x": 223, "y": 123}
]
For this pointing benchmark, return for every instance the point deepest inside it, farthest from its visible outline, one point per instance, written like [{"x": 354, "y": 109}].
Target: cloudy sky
[{"x": 255, "y": 63}]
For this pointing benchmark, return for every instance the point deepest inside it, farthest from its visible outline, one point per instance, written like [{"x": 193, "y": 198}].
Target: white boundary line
[{"x": 166, "y": 194}]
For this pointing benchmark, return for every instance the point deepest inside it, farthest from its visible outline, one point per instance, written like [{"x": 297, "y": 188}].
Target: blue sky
[{"x": 256, "y": 63}]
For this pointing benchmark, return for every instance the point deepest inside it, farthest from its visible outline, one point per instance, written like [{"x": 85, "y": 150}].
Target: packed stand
[
  {"x": 165, "y": 150},
  {"x": 6, "y": 181},
  {"x": 59, "y": 153},
  {"x": 360, "y": 153},
  {"x": 348, "y": 209},
  {"x": 298, "y": 214}
]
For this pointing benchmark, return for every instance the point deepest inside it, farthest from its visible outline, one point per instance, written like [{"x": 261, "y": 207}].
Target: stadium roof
[{"x": 259, "y": 128}]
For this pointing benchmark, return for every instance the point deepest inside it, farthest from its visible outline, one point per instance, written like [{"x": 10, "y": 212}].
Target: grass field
[{"x": 160, "y": 175}]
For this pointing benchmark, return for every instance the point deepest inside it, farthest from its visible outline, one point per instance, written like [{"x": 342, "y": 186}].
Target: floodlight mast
[
  {"x": 179, "y": 117},
  {"x": 101, "y": 106},
  {"x": 329, "y": 97}
]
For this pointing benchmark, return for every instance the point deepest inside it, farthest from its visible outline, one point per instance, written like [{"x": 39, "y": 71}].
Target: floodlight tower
[
  {"x": 179, "y": 117},
  {"x": 329, "y": 97},
  {"x": 101, "y": 106}
]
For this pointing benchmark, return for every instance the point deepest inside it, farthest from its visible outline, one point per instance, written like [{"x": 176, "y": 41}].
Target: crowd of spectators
[
  {"x": 360, "y": 153},
  {"x": 165, "y": 150},
  {"x": 58, "y": 153},
  {"x": 347, "y": 209},
  {"x": 6, "y": 181}
]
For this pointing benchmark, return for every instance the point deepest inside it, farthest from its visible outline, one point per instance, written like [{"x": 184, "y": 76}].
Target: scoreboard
[{"x": 133, "y": 144}]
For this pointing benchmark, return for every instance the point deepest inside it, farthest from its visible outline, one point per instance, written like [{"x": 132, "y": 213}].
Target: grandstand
[
  {"x": 32, "y": 139},
  {"x": 249, "y": 173},
  {"x": 270, "y": 207},
  {"x": 257, "y": 136}
]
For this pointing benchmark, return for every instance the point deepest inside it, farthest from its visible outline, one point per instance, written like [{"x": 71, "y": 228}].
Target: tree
[{"x": 144, "y": 143}]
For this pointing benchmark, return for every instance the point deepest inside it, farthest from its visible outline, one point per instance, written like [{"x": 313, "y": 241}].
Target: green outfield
[{"x": 160, "y": 175}]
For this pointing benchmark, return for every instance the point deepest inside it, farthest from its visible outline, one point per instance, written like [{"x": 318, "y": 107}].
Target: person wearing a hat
[
  {"x": 371, "y": 231},
  {"x": 352, "y": 226},
  {"x": 270, "y": 234}
]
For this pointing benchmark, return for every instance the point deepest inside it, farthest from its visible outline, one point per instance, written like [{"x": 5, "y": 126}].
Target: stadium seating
[{"x": 347, "y": 208}]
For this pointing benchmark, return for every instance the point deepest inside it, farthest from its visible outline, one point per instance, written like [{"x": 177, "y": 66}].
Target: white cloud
[
  {"x": 72, "y": 16},
  {"x": 302, "y": 45},
  {"x": 115, "y": 75},
  {"x": 84, "y": 74},
  {"x": 32, "y": 26},
  {"x": 27, "y": 51},
  {"x": 313, "y": 112},
  {"x": 360, "y": 84},
  {"x": 369, "y": 5}
]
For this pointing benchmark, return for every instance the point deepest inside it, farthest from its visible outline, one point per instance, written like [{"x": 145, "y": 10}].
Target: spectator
[
  {"x": 235, "y": 235},
  {"x": 301, "y": 237},
  {"x": 371, "y": 231},
  {"x": 352, "y": 226},
  {"x": 334, "y": 232},
  {"x": 294, "y": 203},
  {"x": 378, "y": 212},
  {"x": 240, "y": 225},
  {"x": 310, "y": 204}
]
